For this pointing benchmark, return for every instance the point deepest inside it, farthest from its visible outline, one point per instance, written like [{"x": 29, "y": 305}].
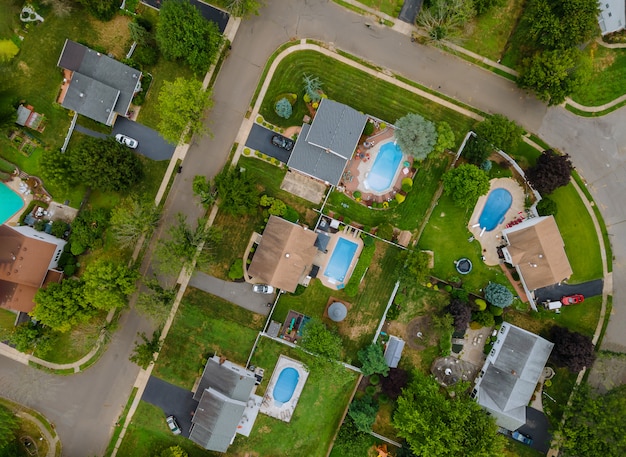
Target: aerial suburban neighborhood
[{"x": 312, "y": 228}]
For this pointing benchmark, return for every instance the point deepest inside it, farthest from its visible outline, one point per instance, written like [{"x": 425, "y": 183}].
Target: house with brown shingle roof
[
  {"x": 284, "y": 256},
  {"x": 28, "y": 259},
  {"x": 536, "y": 249}
]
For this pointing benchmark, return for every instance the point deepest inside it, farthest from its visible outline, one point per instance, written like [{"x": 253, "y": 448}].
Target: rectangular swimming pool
[
  {"x": 10, "y": 203},
  {"x": 340, "y": 260}
]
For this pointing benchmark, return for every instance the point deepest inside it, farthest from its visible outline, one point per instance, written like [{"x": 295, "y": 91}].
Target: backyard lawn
[{"x": 205, "y": 325}]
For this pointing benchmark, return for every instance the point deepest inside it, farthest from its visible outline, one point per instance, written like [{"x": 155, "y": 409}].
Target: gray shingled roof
[
  {"x": 393, "y": 352},
  {"x": 314, "y": 161},
  {"x": 511, "y": 374},
  {"x": 232, "y": 380},
  {"x": 103, "y": 69},
  {"x": 215, "y": 421},
  {"x": 91, "y": 98}
]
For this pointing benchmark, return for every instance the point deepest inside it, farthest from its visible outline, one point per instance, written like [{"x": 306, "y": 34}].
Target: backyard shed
[{"x": 393, "y": 351}]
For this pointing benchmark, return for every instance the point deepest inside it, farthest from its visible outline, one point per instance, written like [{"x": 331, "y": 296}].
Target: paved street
[{"x": 84, "y": 407}]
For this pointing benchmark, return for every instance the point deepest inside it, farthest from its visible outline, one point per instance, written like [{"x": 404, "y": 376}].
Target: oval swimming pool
[
  {"x": 380, "y": 177},
  {"x": 498, "y": 203},
  {"x": 285, "y": 385},
  {"x": 10, "y": 203}
]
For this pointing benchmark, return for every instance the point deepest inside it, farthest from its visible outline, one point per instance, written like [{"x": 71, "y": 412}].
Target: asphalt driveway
[
  {"x": 151, "y": 144},
  {"x": 537, "y": 426},
  {"x": 555, "y": 292},
  {"x": 260, "y": 139},
  {"x": 410, "y": 10},
  {"x": 173, "y": 400}
]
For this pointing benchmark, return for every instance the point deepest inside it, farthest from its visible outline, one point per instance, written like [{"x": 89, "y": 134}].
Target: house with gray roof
[
  {"x": 100, "y": 87},
  {"x": 510, "y": 374},
  {"x": 224, "y": 392},
  {"x": 324, "y": 148}
]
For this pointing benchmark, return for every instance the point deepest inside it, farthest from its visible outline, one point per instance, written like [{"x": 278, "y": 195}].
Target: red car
[{"x": 572, "y": 299}]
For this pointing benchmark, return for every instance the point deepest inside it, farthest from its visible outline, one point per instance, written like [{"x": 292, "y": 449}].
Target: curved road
[{"x": 84, "y": 407}]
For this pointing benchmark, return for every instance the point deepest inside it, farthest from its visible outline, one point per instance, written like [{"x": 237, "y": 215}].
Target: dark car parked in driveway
[{"x": 282, "y": 142}]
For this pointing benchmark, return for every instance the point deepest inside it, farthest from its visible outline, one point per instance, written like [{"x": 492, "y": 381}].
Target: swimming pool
[
  {"x": 498, "y": 203},
  {"x": 285, "y": 385},
  {"x": 10, "y": 203},
  {"x": 380, "y": 177},
  {"x": 340, "y": 260}
]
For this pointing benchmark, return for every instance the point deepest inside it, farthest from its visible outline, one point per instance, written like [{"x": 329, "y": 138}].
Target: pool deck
[
  {"x": 492, "y": 239},
  {"x": 322, "y": 258},
  {"x": 285, "y": 411}
]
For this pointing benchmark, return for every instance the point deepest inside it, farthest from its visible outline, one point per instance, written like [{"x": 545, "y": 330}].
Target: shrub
[
  {"x": 283, "y": 108},
  {"x": 356, "y": 194},
  {"x": 480, "y": 304},
  {"x": 483, "y": 318},
  {"x": 393, "y": 313},
  {"x": 400, "y": 198},
  {"x": 77, "y": 248},
  {"x": 58, "y": 228},
  {"x": 385, "y": 231},
  {"x": 374, "y": 379},
  {"x": 486, "y": 165},
  {"x": 383, "y": 398},
  {"x": 40, "y": 226},
  {"x": 495, "y": 310},
  {"x": 370, "y": 390},
  {"x": 547, "y": 382},
  {"x": 547, "y": 207},
  {"x": 498, "y": 295},
  {"x": 146, "y": 56},
  {"x": 368, "y": 240},
  {"x": 448, "y": 288},
  {"x": 369, "y": 128},
  {"x": 236, "y": 269},
  {"x": 69, "y": 270}
]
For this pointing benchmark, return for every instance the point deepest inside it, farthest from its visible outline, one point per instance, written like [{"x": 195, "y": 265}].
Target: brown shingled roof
[
  {"x": 538, "y": 250},
  {"x": 285, "y": 254}
]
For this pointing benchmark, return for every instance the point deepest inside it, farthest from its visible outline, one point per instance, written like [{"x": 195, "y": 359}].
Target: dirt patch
[
  {"x": 422, "y": 326},
  {"x": 24, "y": 68},
  {"x": 113, "y": 35},
  {"x": 608, "y": 371}
]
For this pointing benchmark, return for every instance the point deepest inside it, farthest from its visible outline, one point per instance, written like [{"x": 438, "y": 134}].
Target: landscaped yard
[
  {"x": 205, "y": 325},
  {"x": 607, "y": 78}
]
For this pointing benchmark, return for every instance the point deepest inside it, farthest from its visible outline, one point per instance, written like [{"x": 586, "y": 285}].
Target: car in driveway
[
  {"x": 262, "y": 289},
  {"x": 126, "y": 141},
  {"x": 173, "y": 425},
  {"x": 572, "y": 299},
  {"x": 522, "y": 438},
  {"x": 282, "y": 142}
]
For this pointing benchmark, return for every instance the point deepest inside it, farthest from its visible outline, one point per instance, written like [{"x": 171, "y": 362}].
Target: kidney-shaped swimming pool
[{"x": 498, "y": 203}]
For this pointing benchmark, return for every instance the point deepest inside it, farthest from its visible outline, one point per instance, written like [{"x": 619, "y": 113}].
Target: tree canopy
[
  {"x": 183, "y": 34},
  {"x": 236, "y": 191},
  {"x": 372, "y": 360},
  {"x": 9, "y": 425},
  {"x": 363, "y": 413},
  {"x": 394, "y": 382},
  {"x": 61, "y": 306},
  {"x": 108, "y": 284},
  {"x": 461, "y": 313},
  {"x": 571, "y": 349},
  {"x": 500, "y": 132},
  {"x": 317, "y": 338},
  {"x": 415, "y": 267},
  {"x": 144, "y": 353},
  {"x": 182, "y": 104},
  {"x": 101, "y": 9},
  {"x": 436, "y": 425},
  {"x": 464, "y": 184},
  {"x": 477, "y": 150},
  {"x": 445, "y": 20},
  {"x": 445, "y": 137},
  {"x": 88, "y": 229},
  {"x": 552, "y": 170},
  {"x": 415, "y": 135},
  {"x": 498, "y": 295},
  {"x": 132, "y": 218}
]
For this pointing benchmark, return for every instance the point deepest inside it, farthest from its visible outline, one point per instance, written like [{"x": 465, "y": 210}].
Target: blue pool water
[
  {"x": 498, "y": 203},
  {"x": 285, "y": 384},
  {"x": 10, "y": 203},
  {"x": 380, "y": 177},
  {"x": 340, "y": 260}
]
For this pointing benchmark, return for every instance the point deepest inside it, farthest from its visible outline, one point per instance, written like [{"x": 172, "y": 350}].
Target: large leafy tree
[
  {"x": 498, "y": 295},
  {"x": 445, "y": 137},
  {"x": 415, "y": 268},
  {"x": 237, "y": 192},
  {"x": 108, "y": 284},
  {"x": 444, "y": 20},
  {"x": 144, "y": 353},
  {"x": 9, "y": 425},
  {"x": 394, "y": 382},
  {"x": 554, "y": 75},
  {"x": 594, "y": 424},
  {"x": 551, "y": 171},
  {"x": 477, "y": 150},
  {"x": 88, "y": 229},
  {"x": 155, "y": 302},
  {"x": 436, "y": 425},
  {"x": 351, "y": 442},
  {"x": 101, "y": 9},
  {"x": 318, "y": 339},
  {"x": 500, "y": 132},
  {"x": 461, "y": 313},
  {"x": 182, "y": 104},
  {"x": 363, "y": 412},
  {"x": 56, "y": 168},
  {"x": 415, "y": 135},
  {"x": 132, "y": 218},
  {"x": 203, "y": 188},
  {"x": 183, "y": 34},
  {"x": 61, "y": 306},
  {"x": 571, "y": 349},
  {"x": 105, "y": 164},
  {"x": 465, "y": 184},
  {"x": 373, "y": 360}
]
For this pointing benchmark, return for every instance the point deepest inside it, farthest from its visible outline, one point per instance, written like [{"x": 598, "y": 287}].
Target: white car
[
  {"x": 126, "y": 141},
  {"x": 173, "y": 425},
  {"x": 262, "y": 289}
]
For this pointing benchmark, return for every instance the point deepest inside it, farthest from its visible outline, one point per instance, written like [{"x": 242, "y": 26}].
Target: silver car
[
  {"x": 173, "y": 425},
  {"x": 262, "y": 289},
  {"x": 126, "y": 141}
]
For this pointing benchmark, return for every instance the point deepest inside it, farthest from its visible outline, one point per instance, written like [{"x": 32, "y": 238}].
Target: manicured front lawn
[
  {"x": 581, "y": 318},
  {"x": 205, "y": 325},
  {"x": 389, "y": 7},
  {"x": 562, "y": 384},
  {"x": 607, "y": 77}
]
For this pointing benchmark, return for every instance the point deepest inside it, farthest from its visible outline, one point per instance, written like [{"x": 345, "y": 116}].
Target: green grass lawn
[
  {"x": 446, "y": 234},
  {"x": 518, "y": 46},
  {"x": 562, "y": 384},
  {"x": 490, "y": 32},
  {"x": 581, "y": 241},
  {"x": 353, "y": 87},
  {"x": 581, "y": 318},
  {"x": 205, "y": 325},
  {"x": 390, "y": 7},
  {"x": 607, "y": 78}
]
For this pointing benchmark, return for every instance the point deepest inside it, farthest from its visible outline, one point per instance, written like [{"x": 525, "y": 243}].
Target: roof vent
[
  {"x": 287, "y": 255},
  {"x": 81, "y": 95}
]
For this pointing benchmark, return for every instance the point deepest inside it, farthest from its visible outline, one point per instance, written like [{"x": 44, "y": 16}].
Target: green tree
[
  {"x": 139, "y": 34},
  {"x": 363, "y": 413},
  {"x": 144, "y": 353},
  {"x": 498, "y": 295},
  {"x": 88, "y": 229},
  {"x": 312, "y": 88},
  {"x": 185, "y": 244},
  {"x": 445, "y": 138},
  {"x": 58, "y": 228},
  {"x": 61, "y": 306},
  {"x": 133, "y": 218},
  {"x": 351, "y": 442},
  {"x": 56, "y": 168},
  {"x": 477, "y": 150},
  {"x": 236, "y": 191},
  {"x": 465, "y": 184},
  {"x": 101, "y": 9},
  {"x": 157, "y": 301},
  {"x": 203, "y": 188},
  {"x": 415, "y": 135},
  {"x": 483, "y": 6},
  {"x": 547, "y": 207},
  {"x": 283, "y": 108},
  {"x": 108, "y": 284},
  {"x": 372, "y": 360},
  {"x": 436, "y": 425},
  {"x": 243, "y": 8},
  {"x": 28, "y": 335},
  {"x": 9, "y": 425},
  {"x": 318, "y": 339},
  {"x": 445, "y": 19},
  {"x": 551, "y": 171},
  {"x": 415, "y": 268},
  {"x": 182, "y": 104},
  {"x": 500, "y": 132},
  {"x": 183, "y": 34},
  {"x": 276, "y": 207},
  {"x": 104, "y": 164},
  {"x": 484, "y": 318},
  {"x": 554, "y": 75}
]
